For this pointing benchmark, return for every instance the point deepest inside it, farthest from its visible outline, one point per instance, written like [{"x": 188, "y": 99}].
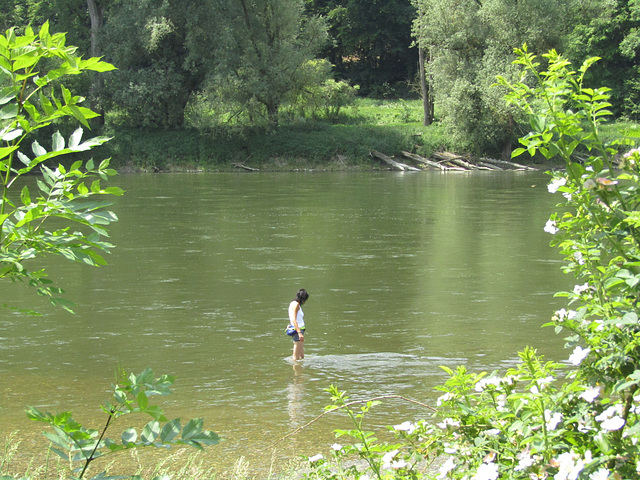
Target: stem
[{"x": 91, "y": 458}]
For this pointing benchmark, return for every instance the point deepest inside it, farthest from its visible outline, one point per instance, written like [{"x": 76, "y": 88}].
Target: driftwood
[
  {"x": 451, "y": 162},
  {"x": 424, "y": 161},
  {"x": 509, "y": 164},
  {"x": 390, "y": 161},
  {"x": 240, "y": 165}
]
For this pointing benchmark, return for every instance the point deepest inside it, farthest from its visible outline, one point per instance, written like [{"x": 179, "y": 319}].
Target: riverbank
[{"x": 386, "y": 126}]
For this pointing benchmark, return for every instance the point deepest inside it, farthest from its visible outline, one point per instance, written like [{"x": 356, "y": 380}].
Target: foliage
[
  {"x": 468, "y": 43},
  {"x": 609, "y": 29},
  {"x": 370, "y": 41},
  {"x": 80, "y": 446},
  {"x": 266, "y": 46},
  {"x": 33, "y": 98},
  {"x": 575, "y": 420}
]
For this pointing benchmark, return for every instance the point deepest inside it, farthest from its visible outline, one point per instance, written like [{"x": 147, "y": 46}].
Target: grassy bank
[{"x": 388, "y": 126}]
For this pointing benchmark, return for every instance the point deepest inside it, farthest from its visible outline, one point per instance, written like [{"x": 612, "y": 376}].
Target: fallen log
[
  {"x": 509, "y": 164},
  {"x": 490, "y": 166},
  {"x": 424, "y": 161},
  {"x": 461, "y": 163},
  {"x": 240, "y": 165},
  {"x": 390, "y": 161}
]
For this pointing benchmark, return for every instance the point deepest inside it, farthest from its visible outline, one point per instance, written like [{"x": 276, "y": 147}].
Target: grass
[
  {"x": 177, "y": 464},
  {"x": 389, "y": 126}
]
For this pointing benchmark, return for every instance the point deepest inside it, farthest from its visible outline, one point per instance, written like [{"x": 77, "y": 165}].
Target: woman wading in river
[{"x": 296, "y": 319}]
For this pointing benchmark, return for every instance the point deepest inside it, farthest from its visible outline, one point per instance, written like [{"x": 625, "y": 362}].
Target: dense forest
[{"x": 223, "y": 66}]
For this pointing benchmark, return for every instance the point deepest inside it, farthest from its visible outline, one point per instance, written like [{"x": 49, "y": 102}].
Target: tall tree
[
  {"x": 371, "y": 41},
  {"x": 609, "y": 29},
  {"x": 147, "y": 41},
  {"x": 266, "y": 45},
  {"x": 469, "y": 44}
]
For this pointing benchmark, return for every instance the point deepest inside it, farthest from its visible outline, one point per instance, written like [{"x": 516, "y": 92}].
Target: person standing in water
[{"x": 296, "y": 318}]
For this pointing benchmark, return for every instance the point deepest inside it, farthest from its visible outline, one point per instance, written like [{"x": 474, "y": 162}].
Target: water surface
[{"x": 406, "y": 272}]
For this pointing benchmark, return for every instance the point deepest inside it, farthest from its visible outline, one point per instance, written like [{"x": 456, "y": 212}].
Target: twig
[{"x": 355, "y": 402}]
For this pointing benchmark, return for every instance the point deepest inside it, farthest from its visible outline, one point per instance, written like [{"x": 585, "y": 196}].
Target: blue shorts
[{"x": 296, "y": 337}]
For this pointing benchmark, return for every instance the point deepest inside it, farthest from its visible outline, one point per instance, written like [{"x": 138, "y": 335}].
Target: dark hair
[{"x": 302, "y": 296}]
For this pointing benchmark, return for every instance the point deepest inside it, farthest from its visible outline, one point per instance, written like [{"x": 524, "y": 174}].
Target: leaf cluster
[{"x": 80, "y": 446}]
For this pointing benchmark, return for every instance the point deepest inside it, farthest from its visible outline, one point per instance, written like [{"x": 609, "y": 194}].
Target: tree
[
  {"x": 266, "y": 44},
  {"x": 610, "y": 30},
  {"x": 468, "y": 44},
  {"x": 148, "y": 41},
  {"x": 371, "y": 41},
  {"x": 71, "y": 199}
]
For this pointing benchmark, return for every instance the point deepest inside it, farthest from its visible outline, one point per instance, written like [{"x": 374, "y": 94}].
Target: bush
[{"x": 570, "y": 421}]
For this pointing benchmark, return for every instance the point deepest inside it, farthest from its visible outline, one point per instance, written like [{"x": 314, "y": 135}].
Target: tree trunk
[
  {"x": 427, "y": 102},
  {"x": 96, "y": 16}
]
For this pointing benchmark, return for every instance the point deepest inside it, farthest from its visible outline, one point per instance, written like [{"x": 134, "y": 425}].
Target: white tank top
[{"x": 299, "y": 315}]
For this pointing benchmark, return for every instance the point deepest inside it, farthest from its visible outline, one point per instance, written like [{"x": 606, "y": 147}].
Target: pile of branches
[{"x": 448, "y": 162}]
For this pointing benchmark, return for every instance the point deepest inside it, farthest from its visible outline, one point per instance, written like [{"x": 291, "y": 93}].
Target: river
[{"x": 406, "y": 272}]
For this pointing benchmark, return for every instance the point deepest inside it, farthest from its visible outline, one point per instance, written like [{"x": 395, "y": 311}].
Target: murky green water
[{"x": 406, "y": 272}]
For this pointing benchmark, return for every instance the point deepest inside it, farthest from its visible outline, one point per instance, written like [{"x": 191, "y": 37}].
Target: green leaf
[
  {"x": 129, "y": 437},
  {"x": 150, "y": 432},
  {"x": 58, "y": 142},
  {"x": 192, "y": 428},
  {"x": 170, "y": 430}
]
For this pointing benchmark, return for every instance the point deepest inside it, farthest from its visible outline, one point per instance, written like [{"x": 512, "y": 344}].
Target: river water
[{"x": 406, "y": 272}]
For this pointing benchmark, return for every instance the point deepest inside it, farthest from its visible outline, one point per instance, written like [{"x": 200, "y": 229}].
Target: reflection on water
[{"x": 405, "y": 273}]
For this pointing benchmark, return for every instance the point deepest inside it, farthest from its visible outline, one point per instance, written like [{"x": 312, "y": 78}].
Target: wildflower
[
  {"x": 337, "y": 447},
  {"x": 485, "y": 382},
  {"x": 578, "y": 355},
  {"x": 449, "y": 422},
  {"x": 601, "y": 474},
  {"x": 406, "y": 427},
  {"x": 398, "y": 464},
  {"x": 552, "y": 419},
  {"x": 556, "y": 183},
  {"x": 486, "y": 471},
  {"x": 578, "y": 289},
  {"x": 492, "y": 432},
  {"x": 524, "y": 460},
  {"x": 550, "y": 227},
  {"x": 611, "y": 419},
  {"x": 316, "y": 458},
  {"x": 590, "y": 394},
  {"x": 449, "y": 465},
  {"x": 569, "y": 466},
  {"x": 579, "y": 258},
  {"x": 612, "y": 424},
  {"x": 606, "y": 184},
  {"x": 444, "y": 398}
]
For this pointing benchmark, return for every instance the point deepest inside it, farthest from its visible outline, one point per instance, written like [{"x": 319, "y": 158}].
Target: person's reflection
[{"x": 295, "y": 394}]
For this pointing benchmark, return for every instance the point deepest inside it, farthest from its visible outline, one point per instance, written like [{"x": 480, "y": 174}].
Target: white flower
[
  {"x": 525, "y": 461},
  {"x": 612, "y": 424},
  {"x": 483, "y": 383},
  {"x": 555, "y": 184},
  {"x": 552, "y": 419},
  {"x": 387, "y": 458},
  {"x": 406, "y": 427},
  {"x": 578, "y": 355},
  {"x": 569, "y": 466},
  {"x": 486, "y": 471},
  {"x": 337, "y": 447},
  {"x": 398, "y": 464},
  {"x": 578, "y": 289},
  {"x": 601, "y": 474},
  {"x": 449, "y": 422},
  {"x": 551, "y": 227},
  {"x": 610, "y": 419},
  {"x": 316, "y": 458},
  {"x": 579, "y": 258},
  {"x": 590, "y": 394},
  {"x": 449, "y": 465},
  {"x": 444, "y": 398}
]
